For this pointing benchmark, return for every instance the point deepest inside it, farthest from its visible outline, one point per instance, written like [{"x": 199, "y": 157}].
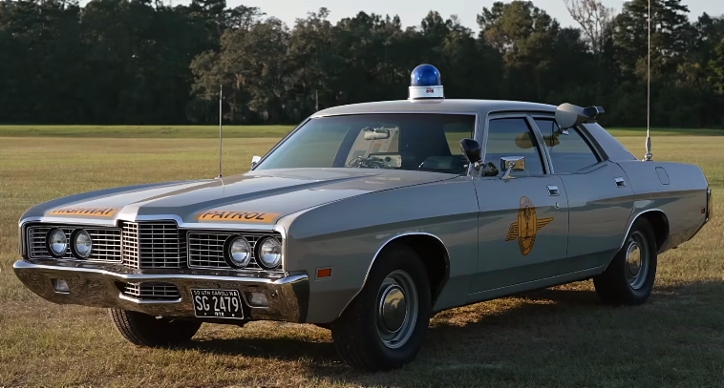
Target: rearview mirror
[
  {"x": 510, "y": 163},
  {"x": 254, "y": 160},
  {"x": 569, "y": 115},
  {"x": 472, "y": 151},
  {"x": 377, "y": 134}
]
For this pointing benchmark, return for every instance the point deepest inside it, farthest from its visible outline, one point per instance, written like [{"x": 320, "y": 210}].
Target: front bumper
[{"x": 97, "y": 285}]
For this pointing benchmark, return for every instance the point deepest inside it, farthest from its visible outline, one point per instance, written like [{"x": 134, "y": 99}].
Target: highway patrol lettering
[
  {"x": 231, "y": 215},
  {"x": 86, "y": 211}
]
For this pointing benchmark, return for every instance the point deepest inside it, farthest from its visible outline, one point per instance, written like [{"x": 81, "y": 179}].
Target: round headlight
[
  {"x": 82, "y": 244},
  {"x": 239, "y": 252},
  {"x": 57, "y": 242},
  {"x": 270, "y": 253}
]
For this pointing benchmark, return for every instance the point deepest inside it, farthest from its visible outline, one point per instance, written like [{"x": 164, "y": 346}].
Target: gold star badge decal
[{"x": 527, "y": 226}]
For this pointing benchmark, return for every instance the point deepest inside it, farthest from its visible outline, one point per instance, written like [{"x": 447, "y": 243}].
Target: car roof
[
  {"x": 481, "y": 107},
  {"x": 611, "y": 147}
]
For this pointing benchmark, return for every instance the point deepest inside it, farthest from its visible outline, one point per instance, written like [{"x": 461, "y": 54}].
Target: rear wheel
[
  {"x": 385, "y": 325},
  {"x": 145, "y": 330},
  {"x": 629, "y": 278}
]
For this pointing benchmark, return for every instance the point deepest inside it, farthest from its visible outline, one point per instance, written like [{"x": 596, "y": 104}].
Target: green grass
[
  {"x": 560, "y": 337},
  {"x": 656, "y": 132},
  {"x": 241, "y": 131}
]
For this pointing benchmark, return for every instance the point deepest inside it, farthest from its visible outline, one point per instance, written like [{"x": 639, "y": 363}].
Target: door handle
[
  {"x": 619, "y": 181},
  {"x": 553, "y": 190}
]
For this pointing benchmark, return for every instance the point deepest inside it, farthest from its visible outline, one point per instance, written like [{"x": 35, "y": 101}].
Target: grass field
[{"x": 560, "y": 337}]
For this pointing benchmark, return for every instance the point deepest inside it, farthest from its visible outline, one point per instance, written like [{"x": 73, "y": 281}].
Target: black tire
[
  {"x": 614, "y": 286},
  {"x": 145, "y": 330},
  {"x": 356, "y": 334}
]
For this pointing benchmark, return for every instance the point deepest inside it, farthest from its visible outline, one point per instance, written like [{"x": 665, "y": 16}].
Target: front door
[{"x": 523, "y": 222}]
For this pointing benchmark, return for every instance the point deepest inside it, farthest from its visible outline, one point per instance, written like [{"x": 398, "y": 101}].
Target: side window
[
  {"x": 513, "y": 137},
  {"x": 456, "y": 131},
  {"x": 568, "y": 153}
]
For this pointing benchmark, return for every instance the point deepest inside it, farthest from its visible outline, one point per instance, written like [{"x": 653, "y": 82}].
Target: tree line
[{"x": 146, "y": 62}]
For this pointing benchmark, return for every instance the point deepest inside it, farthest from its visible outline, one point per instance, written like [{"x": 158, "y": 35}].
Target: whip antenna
[
  {"x": 648, "y": 156},
  {"x": 221, "y": 131}
]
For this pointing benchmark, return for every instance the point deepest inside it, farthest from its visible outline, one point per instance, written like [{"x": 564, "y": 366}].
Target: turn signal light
[{"x": 324, "y": 272}]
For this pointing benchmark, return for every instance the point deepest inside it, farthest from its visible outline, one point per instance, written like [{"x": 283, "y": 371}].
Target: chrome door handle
[
  {"x": 619, "y": 181},
  {"x": 553, "y": 190}
]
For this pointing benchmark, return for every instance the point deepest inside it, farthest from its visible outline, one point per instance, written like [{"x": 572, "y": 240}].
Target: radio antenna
[
  {"x": 221, "y": 131},
  {"x": 648, "y": 156}
]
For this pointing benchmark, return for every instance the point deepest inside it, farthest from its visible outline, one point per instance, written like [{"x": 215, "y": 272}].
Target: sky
[{"x": 411, "y": 12}]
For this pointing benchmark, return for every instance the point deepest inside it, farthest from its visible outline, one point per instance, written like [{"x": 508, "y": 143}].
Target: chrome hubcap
[
  {"x": 637, "y": 261},
  {"x": 396, "y": 309},
  {"x": 393, "y": 308}
]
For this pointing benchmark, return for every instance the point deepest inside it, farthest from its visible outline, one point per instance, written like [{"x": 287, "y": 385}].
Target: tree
[
  {"x": 145, "y": 62},
  {"x": 595, "y": 19},
  {"x": 670, "y": 34},
  {"x": 525, "y": 36}
]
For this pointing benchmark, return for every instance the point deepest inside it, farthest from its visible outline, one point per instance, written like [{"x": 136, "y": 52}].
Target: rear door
[
  {"x": 600, "y": 200},
  {"x": 523, "y": 221}
]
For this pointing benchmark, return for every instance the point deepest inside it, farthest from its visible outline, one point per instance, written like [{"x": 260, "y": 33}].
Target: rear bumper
[{"x": 101, "y": 285}]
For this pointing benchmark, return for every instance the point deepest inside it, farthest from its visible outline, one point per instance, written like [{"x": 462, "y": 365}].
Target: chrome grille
[
  {"x": 106, "y": 242},
  {"x": 152, "y": 245},
  {"x": 206, "y": 249},
  {"x": 148, "y": 290}
]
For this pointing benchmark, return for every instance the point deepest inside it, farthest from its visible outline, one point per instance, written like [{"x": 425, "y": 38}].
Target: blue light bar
[{"x": 425, "y": 82}]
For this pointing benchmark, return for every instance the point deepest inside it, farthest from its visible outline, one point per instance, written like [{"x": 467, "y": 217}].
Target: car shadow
[{"x": 513, "y": 329}]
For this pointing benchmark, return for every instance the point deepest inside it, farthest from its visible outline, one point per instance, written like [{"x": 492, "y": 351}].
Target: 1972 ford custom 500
[{"x": 369, "y": 218}]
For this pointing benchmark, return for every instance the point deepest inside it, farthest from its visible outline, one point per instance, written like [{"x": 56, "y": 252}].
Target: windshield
[{"x": 405, "y": 141}]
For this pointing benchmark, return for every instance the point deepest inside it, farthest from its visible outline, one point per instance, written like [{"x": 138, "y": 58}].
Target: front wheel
[
  {"x": 385, "y": 325},
  {"x": 145, "y": 330},
  {"x": 629, "y": 278}
]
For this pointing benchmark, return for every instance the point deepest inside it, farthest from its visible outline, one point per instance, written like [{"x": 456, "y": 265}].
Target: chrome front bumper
[{"x": 97, "y": 285}]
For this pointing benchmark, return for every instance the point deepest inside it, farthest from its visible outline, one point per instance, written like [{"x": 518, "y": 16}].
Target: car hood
[{"x": 257, "y": 198}]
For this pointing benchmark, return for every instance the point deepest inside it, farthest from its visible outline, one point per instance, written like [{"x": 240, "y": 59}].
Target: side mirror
[
  {"x": 254, "y": 160},
  {"x": 569, "y": 115},
  {"x": 472, "y": 151},
  {"x": 510, "y": 163}
]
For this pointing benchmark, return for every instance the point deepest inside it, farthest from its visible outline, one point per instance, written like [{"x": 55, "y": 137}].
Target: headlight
[
  {"x": 239, "y": 252},
  {"x": 82, "y": 244},
  {"x": 57, "y": 242},
  {"x": 269, "y": 255}
]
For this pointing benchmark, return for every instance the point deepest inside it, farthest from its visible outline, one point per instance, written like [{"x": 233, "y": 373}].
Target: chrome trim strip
[
  {"x": 380, "y": 112},
  {"x": 542, "y": 149},
  {"x": 148, "y": 301},
  {"x": 377, "y": 254},
  {"x": 633, "y": 220},
  {"x": 113, "y": 222},
  {"x": 148, "y": 277},
  {"x": 709, "y": 205}
]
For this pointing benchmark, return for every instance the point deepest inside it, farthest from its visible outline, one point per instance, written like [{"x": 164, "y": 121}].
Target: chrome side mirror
[
  {"x": 254, "y": 160},
  {"x": 510, "y": 163}
]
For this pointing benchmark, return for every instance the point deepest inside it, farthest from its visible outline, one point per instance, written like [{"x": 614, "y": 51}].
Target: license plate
[{"x": 216, "y": 303}]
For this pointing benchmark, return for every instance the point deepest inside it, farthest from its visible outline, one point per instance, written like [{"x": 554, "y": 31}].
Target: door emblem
[{"x": 527, "y": 226}]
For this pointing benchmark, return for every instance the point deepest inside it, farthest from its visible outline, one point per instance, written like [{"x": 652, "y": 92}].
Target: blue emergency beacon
[{"x": 425, "y": 83}]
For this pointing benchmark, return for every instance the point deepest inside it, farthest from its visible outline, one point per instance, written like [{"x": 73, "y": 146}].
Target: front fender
[{"x": 347, "y": 236}]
